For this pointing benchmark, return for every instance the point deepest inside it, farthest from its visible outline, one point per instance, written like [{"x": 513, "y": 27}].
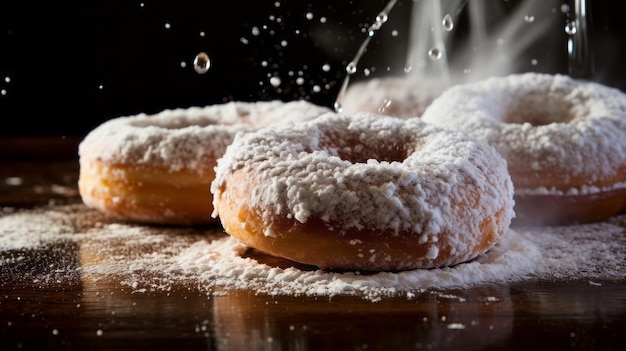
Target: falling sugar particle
[
  {"x": 564, "y": 8},
  {"x": 167, "y": 25},
  {"x": 434, "y": 54},
  {"x": 380, "y": 20},
  {"x": 351, "y": 68},
  {"x": 13, "y": 181},
  {"x": 447, "y": 23},
  {"x": 338, "y": 107},
  {"x": 99, "y": 332},
  {"x": 326, "y": 67},
  {"x": 3, "y": 92},
  {"x": 275, "y": 81},
  {"x": 382, "y": 17},
  {"x": 7, "y": 79},
  {"x": 202, "y": 34},
  {"x": 201, "y": 63},
  {"x": 456, "y": 326},
  {"x": 386, "y": 103},
  {"x": 255, "y": 31},
  {"x": 309, "y": 15},
  {"x": 570, "y": 28},
  {"x": 533, "y": 62},
  {"x": 529, "y": 18},
  {"x": 100, "y": 86},
  {"x": 183, "y": 64},
  {"x": 394, "y": 33}
]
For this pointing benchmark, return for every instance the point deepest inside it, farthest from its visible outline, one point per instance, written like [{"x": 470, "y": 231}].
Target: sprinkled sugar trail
[
  {"x": 351, "y": 68},
  {"x": 160, "y": 258}
]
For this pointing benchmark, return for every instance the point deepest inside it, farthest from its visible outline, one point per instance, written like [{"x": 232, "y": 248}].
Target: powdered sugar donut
[
  {"x": 393, "y": 96},
  {"x": 364, "y": 193},
  {"x": 564, "y": 141},
  {"x": 158, "y": 169}
]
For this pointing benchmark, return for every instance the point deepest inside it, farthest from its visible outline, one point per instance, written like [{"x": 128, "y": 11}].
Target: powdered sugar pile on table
[{"x": 161, "y": 258}]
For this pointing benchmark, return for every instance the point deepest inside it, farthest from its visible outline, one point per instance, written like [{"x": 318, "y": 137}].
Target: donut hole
[
  {"x": 361, "y": 151},
  {"x": 537, "y": 110}
]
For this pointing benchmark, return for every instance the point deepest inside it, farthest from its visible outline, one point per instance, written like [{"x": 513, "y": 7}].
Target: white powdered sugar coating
[
  {"x": 160, "y": 258},
  {"x": 184, "y": 138},
  {"x": 543, "y": 122},
  {"x": 327, "y": 169}
]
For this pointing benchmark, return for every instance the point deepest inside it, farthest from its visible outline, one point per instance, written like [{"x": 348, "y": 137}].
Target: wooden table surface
[{"x": 76, "y": 313}]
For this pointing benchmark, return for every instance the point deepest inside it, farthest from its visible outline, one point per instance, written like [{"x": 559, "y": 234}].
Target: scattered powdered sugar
[
  {"x": 150, "y": 258},
  {"x": 512, "y": 259},
  {"x": 548, "y": 123},
  {"x": 184, "y": 138},
  {"x": 401, "y": 176}
]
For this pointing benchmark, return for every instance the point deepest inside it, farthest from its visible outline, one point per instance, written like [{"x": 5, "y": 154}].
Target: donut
[
  {"x": 158, "y": 168},
  {"x": 564, "y": 141},
  {"x": 391, "y": 96},
  {"x": 363, "y": 192}
]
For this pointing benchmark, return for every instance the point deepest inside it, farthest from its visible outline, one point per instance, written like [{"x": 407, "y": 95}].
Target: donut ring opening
[
  {"x": 354, "y": 148},
  {"x": 537, "y": 109}
]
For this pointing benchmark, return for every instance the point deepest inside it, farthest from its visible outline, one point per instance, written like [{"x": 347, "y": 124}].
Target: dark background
[{"x": 66, "y": 66}]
